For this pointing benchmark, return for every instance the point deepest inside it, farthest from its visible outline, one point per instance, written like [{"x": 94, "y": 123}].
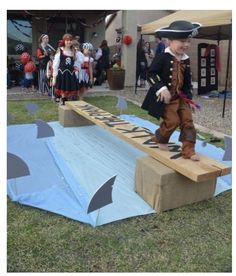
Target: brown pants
[{"x": 178, "y": 114}]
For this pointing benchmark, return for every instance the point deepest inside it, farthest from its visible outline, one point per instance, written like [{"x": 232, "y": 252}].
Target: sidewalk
[{"x": 208, "y": 120}]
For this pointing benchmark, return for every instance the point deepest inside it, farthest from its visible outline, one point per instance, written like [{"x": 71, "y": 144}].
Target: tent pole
[
  {"x": 227, "y": 76},
  {"x": 136, "y": 81}
]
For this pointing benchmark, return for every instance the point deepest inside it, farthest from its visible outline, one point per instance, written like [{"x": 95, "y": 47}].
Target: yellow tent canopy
[{"x": 216, "y": 24}]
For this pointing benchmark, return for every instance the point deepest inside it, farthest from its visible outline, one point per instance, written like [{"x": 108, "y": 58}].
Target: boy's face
[{"x": 179, "y": 46}]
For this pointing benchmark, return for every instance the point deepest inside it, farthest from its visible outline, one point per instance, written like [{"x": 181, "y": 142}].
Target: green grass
[
  {"x": 47, "y": 111},
  {"x": 193, "y": 238}
]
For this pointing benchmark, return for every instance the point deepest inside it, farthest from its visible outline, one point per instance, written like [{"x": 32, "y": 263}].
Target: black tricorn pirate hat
[{"x": 178, "y": 30}]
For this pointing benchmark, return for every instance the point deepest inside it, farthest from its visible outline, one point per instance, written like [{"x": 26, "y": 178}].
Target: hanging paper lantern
[
  {"x": 24, "y": 58},
  {"x": 30, "y": 67},
  {"x": 127, "y": 39},
  {"x": 19, "y": 66},
  {"x": 20, "y": 48}
]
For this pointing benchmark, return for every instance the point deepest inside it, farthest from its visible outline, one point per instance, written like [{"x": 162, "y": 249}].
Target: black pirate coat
[{"x": 160, "y": 74}]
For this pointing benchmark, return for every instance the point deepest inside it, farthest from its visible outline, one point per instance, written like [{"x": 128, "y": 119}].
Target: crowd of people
[
  {"x": 70, "y": 70},
  {"x": 66, "y": 73}
]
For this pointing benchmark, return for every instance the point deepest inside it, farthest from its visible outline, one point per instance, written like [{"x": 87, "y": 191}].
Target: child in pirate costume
[
  {"x": 64, "y": 77},
  {"x": 79, "y": 61},
  {"x": 86, "y": 72},
  {"x": 170, "y": 94}
]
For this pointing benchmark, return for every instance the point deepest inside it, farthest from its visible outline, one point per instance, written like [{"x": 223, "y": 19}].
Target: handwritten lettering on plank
[{"x": 112, "y": 121}]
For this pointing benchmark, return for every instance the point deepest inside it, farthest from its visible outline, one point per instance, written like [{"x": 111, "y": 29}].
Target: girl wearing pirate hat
[{"x": 170, "y": 94}]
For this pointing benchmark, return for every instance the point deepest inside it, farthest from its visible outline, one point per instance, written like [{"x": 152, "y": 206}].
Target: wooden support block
[
  {"x": 69, "y": 118},
  {"x": 165, "y": 189}
]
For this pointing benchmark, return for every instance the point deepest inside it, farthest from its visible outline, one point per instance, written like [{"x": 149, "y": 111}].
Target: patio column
[
  {"x": 39, "y": 26},
  {"x": 128, "y": 59}
]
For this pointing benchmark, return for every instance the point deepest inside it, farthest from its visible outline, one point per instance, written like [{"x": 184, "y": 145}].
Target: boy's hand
[
  {"x": 165, "y": 96},
  {"x": 193, "y": 108}
]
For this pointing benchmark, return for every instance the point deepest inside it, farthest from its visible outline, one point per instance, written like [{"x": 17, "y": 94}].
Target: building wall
[
  {"x": 89, "y": 33},
  {"x": 128, "y": 21},
  {"x": 143, "y": 17}
]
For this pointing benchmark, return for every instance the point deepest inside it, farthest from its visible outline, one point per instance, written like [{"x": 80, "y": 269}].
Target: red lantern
[
  {"x": 24, "y": 58},
  {"x": 127, "y": 39},
  {"x": 30, "y": 67}
]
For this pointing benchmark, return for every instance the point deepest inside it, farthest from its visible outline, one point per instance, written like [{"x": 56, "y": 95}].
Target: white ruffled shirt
[{"x": 79, "y": 59}]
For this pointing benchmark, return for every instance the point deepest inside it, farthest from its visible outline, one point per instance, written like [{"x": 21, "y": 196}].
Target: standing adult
[
  {"x": 103, "y": 62},
  {"x": 149, "y": 53},
  {"x": 141, "y": 66},
  {"x": 160, "y": 45},
  {"x": 43, "y": 55}
]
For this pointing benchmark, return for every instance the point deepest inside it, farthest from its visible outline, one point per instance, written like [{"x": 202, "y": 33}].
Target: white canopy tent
[{"x": 215, "y": 23}]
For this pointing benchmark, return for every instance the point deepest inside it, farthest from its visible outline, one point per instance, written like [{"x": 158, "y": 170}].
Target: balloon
[
  {"x": 20, "y": 48},
  {"x": 127, "y": 39},
  {"x": 24, "y": 58},
  {"x": 30, "y": 67}
]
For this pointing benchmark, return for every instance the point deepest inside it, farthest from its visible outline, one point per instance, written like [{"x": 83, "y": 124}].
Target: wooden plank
[{"x": 202, "y": 170}]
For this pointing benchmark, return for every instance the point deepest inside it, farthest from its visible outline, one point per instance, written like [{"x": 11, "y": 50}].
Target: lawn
[{"x": 193, "y": 238}]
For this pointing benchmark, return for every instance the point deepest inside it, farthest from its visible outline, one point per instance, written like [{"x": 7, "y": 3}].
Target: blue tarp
[{"x": 67, "y": 169}]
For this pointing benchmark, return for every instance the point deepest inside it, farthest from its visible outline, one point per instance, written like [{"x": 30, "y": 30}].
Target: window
[{"x": 18, "y": 31}]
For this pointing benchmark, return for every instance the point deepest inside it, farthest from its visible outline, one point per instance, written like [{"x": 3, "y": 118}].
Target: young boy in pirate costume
[{"x": 170, "y": 79}]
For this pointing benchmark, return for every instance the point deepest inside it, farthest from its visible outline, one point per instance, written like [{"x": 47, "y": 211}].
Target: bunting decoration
[
  {"x": 97, "y": 22},
  {"x": 39, "y": 17},
  {"x": 93, "y": 24},
  {"x": 19, "y": 24}
]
